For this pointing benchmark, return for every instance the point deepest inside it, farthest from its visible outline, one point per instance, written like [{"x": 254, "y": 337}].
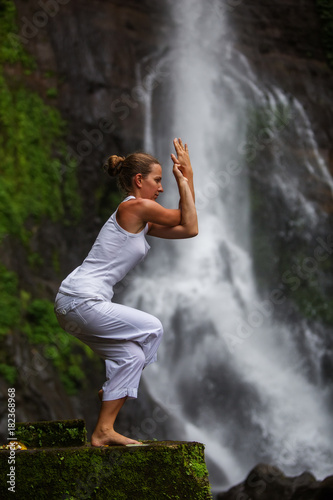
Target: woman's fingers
[
  {"x": 177, "y": 172},
  {"x": 176, "y": 163},
  {"x": 178, "y": 143},
  {"x": 183, "y": 156},
  {"x": 173, "y": 158}
]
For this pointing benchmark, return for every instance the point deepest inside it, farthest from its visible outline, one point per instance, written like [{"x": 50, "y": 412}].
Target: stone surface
[
  {"x": 60, "y": 433},
  {"x": 167, "y": 469}
]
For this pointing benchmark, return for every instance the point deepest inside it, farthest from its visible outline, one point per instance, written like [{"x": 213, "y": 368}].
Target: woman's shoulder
[
  {"x": 129, "y": 215},
  {"x": 136, "y": 204}
]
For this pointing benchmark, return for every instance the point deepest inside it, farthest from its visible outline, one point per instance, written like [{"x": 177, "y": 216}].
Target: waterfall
[{"x": 231, "y": 375}]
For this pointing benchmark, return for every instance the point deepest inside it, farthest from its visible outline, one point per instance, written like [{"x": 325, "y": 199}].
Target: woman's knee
[
  {"x": 158, "y": 327},
  {"x": 136, "y": 354}
]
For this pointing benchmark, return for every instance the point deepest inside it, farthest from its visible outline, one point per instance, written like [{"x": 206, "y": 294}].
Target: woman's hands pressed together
[
  {"x": 187, "y": 227},
  {"x": 183, "y": 162}
]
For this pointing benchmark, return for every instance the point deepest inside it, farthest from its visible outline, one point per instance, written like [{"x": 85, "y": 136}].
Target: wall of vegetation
[{"x": 33, "y": 192}]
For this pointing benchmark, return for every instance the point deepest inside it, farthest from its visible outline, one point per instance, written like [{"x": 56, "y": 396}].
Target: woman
[{"x": 127, "y": 339}]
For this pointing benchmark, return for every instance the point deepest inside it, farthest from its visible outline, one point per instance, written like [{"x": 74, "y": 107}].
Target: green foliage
[
  {"x": 9, "y": 300},
  {"x": 106, "y": 198},
  {"x": 35, "y": 186},
  {"x": 65, "y": 351},
  {"x": 52, "y": 92},
  {"x": 11, "y": 50},
  {"x": 325, "y": 9},
  {"x": 36, "y": 318},
  {"x": 9, "y": 373},
  {"x": 34, "y": 183}
]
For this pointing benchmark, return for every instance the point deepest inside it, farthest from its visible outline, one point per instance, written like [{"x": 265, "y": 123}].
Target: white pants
[{"x": 127, "y": 339}]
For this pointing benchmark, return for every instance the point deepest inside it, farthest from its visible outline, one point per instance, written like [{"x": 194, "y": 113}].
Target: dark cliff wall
[
  {"x": 90, "y": 53},
  {"x": 284, "y": 44},
  {"x": 283, "y": 41}
]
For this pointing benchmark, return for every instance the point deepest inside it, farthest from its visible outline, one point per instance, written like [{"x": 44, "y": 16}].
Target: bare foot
[
  {"x": 110, "y": 437},
  {"x": 100, "y": 395}
]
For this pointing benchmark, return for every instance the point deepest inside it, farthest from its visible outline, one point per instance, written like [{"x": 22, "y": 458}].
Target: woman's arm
[
  {"x": 134, "y": 215},
  {"x": 188, "y": 226},
  {"x": 163, "y": 222}
]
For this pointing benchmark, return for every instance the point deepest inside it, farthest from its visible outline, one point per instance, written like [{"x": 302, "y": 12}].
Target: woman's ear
[{"x": 138, "y": 180}]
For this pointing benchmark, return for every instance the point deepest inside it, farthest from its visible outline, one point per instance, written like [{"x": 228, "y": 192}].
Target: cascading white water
[{"x": 231, "y": 375}]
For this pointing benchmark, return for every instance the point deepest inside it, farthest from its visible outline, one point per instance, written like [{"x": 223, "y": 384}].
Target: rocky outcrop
[
  {"x": 59, "y": 463},
  {"x": 266, "y": 482}
]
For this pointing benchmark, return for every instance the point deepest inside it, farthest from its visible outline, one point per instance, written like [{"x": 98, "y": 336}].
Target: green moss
[
  {"x": 60, "y": 433},
  {"x": 325, "y": 10},
  {"x": 198, "y": 468},
  {"x": 163, "y": 470}
]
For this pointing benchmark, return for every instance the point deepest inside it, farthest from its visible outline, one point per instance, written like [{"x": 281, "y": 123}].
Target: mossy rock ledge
[{"x": 60, "y": 464}]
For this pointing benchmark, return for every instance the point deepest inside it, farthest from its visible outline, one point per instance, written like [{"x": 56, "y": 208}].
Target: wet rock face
[
  {"x": 95, "y": 49},
  {"x": 283, "y": 42}
]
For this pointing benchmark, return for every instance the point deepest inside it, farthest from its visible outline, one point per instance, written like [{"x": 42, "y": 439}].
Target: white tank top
[{"x": 114, "y": 253}]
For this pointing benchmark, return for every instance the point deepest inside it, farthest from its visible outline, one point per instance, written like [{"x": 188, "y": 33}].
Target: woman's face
[{"x": 152, "y": 184}]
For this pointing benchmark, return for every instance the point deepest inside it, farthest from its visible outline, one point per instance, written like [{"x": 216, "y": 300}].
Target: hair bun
[{"x": 114, "y": 164}]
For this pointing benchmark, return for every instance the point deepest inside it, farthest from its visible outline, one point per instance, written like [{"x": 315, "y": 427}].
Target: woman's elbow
[{"x": 193, "y": 231}]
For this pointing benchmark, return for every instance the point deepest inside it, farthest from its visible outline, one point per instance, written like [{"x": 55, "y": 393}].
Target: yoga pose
[{"x": 126, "y": 338}]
